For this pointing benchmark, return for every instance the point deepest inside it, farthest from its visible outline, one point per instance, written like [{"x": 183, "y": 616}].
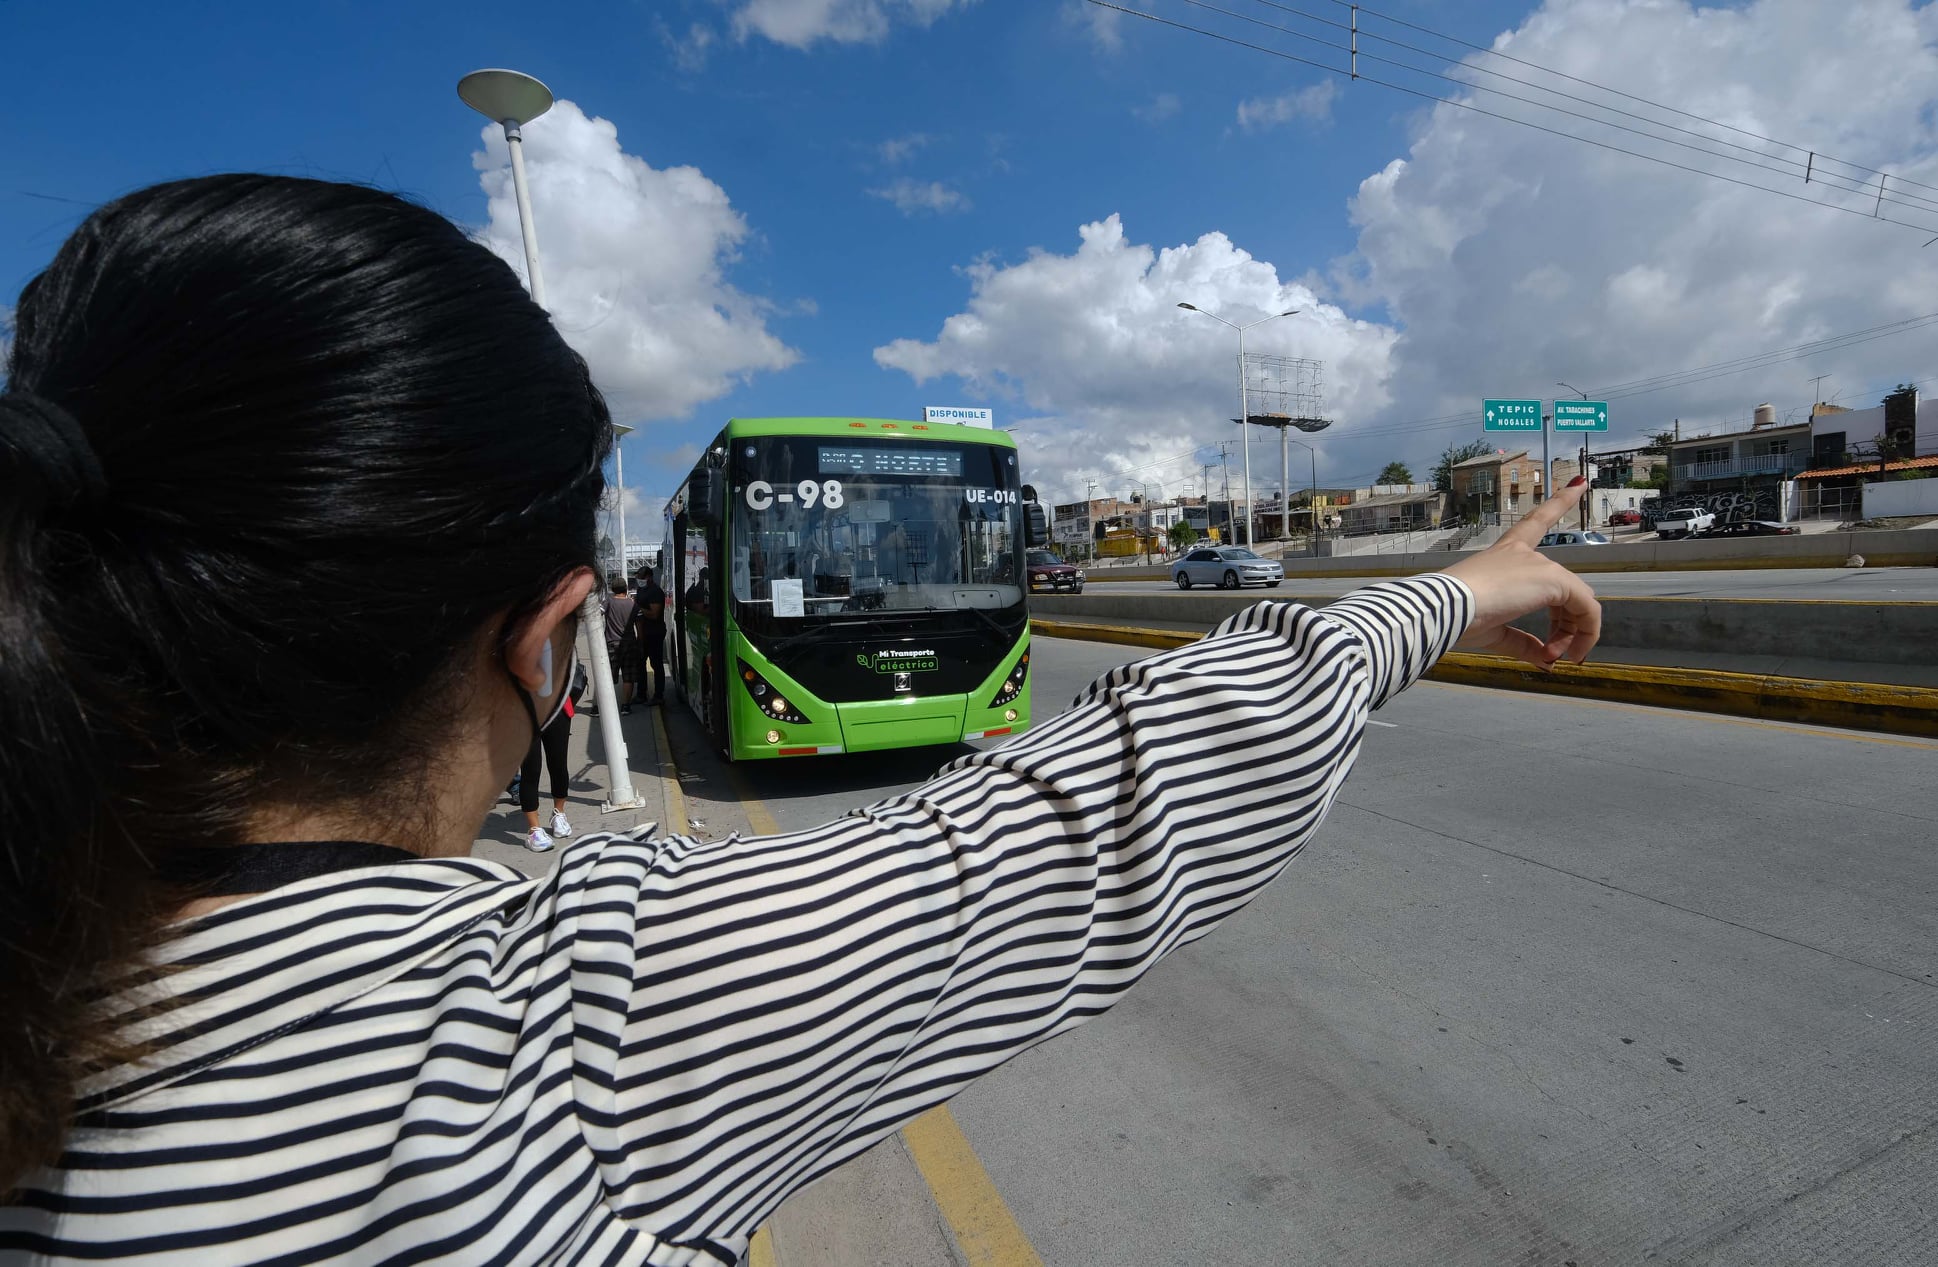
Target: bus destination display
[{"x": 913, "y": 459}]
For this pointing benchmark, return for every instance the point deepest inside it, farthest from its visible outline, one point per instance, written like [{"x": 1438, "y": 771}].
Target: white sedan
[{"x": 1228, "y": 567}]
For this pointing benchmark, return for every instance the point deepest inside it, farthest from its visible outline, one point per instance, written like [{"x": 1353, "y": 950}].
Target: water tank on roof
[{"x": 1765, "y": 417}]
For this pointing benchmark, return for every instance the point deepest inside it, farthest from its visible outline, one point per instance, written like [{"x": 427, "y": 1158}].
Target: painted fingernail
[{"x": 1577, "y": 481}]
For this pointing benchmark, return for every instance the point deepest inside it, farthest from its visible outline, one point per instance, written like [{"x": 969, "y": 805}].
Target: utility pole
[
  {"x": 1090, "y": 519},
  {"x": 1224, "y": 463},
  {"x": 1588, "y": 496}
]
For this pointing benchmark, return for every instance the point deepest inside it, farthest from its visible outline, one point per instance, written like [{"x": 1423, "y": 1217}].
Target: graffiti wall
[{"x": 1735, "y": 506}]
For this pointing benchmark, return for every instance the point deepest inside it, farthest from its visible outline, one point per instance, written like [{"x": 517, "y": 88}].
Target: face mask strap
[{"x": 564, "y": 686}]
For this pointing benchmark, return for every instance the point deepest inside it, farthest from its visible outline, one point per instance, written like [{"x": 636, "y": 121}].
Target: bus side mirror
[
  {"x": 1036, "y": 525},
  {"x": 702, "y": 497}
]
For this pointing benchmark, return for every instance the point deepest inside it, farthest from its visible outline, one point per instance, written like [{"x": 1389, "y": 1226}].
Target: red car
[
  {"x": 1051, "y": 573},
  {"x": 1625, "y": 517}
]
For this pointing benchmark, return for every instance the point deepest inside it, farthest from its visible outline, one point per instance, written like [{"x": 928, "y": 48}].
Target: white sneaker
[
  {"x": 560, "y": 827},
  {"x": 538, "y": 841}
]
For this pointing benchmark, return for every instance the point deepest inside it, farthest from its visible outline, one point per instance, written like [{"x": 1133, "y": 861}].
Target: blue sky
[{"x": 1019, "y": 123}]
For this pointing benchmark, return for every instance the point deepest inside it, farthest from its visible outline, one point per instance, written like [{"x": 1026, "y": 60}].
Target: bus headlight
[
  {"x": 1013, "y": 684},
  {"x": 769, "y": 699}
]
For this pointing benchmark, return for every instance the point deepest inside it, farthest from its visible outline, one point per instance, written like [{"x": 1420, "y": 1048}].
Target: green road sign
[
  {"x": 1581, "y": 415},
  {"x": 1511, "y": 415}
]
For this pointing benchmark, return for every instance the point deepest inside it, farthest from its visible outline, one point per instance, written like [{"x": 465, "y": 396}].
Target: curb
[{"x": 1895, "y": 710}]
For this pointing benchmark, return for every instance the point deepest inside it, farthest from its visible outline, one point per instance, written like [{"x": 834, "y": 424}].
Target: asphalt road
[
  {"x": 1559, "y": 983},
  {"x": 1888, "y": 585}
]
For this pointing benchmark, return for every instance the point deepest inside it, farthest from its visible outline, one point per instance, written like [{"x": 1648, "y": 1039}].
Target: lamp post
[
  {"x": 1149, "y": 523},
  {"x": 512, "y": 99},
  {"x": 1244, "y": 402},
  {"x": 621, "y": 430},
  {"x": 1312, "y": 498},
  {"x": 1583, "y": 472}
]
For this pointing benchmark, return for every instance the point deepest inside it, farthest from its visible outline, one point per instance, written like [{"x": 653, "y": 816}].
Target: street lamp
[
  {"x": 512, "y": 99},
  {"x": 620, "y": 430},
  {"x": 1312, "y": 498},
  {"x": 1583, "y": 472},
  {"x": 1244, "y": 402}
]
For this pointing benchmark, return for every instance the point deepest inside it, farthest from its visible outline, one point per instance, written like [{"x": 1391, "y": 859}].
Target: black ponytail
[{"x": 273, "y": 453}]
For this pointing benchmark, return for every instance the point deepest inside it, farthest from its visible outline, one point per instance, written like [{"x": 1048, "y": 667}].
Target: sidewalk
[{"x": 502, "y": 837}]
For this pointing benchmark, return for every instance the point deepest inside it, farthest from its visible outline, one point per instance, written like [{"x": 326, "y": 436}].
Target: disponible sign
[{"x": 957, "y": 415}]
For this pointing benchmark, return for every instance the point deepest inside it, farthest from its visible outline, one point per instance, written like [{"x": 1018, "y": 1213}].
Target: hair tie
[{"x": 54, "y": 447}]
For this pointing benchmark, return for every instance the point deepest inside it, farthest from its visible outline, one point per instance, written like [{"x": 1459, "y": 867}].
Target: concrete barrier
[
  {"x": 1890, "y": 709},
  {"x": 1843, "y": 632},
  {"x": 1911, "y": 547}
]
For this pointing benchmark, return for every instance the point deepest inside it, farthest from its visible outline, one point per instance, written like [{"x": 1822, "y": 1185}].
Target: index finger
[{"x": 1540, "y": 521}]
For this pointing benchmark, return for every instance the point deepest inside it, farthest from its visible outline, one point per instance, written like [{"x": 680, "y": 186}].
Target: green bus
[{"x": 850, "y": 585}]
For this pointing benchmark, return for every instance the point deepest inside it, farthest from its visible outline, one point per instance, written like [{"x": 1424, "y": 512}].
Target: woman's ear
[{"x": 529, "y": 636}]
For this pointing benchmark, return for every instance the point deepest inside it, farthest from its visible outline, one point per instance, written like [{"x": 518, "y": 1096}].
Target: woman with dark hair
[{"x": 300, "y": 486}]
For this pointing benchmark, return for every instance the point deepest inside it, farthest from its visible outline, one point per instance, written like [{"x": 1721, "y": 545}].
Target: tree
[
  {"x": 1454, "y": 456},
  {"x": 1394, "y": 473},
  {"x": 1659, "y": 442},
  {"x": 1182, "y": 535}
]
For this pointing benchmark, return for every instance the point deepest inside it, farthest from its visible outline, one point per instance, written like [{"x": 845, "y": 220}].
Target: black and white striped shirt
[{"x": 634, "y": 1059}]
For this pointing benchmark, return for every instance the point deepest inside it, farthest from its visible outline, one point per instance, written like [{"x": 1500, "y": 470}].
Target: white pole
[
  {"x": 1245, "y": 430},
  {"x": 515, "y": 141},
  {"x": 619, "y": 462},
  {"x": 591, "y": 614},
  {"x": 1547, "y": 464},
  {"x": 1285, "y": 490}
]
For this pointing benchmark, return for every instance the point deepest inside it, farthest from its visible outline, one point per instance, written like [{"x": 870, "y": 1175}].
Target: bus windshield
[{"x": 828, "y": 524}]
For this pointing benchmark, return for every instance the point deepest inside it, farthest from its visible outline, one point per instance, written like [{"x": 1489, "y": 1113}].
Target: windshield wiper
[{"x": 995, "y": 626}]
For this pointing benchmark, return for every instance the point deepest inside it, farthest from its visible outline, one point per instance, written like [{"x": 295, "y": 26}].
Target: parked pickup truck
[{"x": 1685, "y": 522}]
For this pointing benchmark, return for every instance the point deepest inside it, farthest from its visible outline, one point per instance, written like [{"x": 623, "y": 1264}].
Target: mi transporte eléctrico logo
[{"x": 899, "y": 661}]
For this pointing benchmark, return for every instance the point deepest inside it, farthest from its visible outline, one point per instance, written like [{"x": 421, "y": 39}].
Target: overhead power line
[
  {"x": 1791, "y": 167},
  {"x": 1875, "y": 214},
  {"x": 1589, "y": 83}
]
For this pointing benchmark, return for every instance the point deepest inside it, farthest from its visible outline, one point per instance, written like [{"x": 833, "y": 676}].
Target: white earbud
[{"x": 545, "y": 666}]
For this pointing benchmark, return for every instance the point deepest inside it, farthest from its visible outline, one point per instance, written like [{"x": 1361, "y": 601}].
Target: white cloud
[
  {"x": 1514, "y": 259},
  {"x": 1312, "y": 103},
  {"x": 645, "y": 518},
  {"x": 899, "y": 149},
  {"x": 690, "y": 48},
  {"x": 1105, "y": 27},
  {"x": 804, "y": 23},
  {"x": 1109, "y": 380},
  {"x": 635, "y": 261},
  {"x": 1164, "y": 105},
  {"x": 912, "y": 197}
]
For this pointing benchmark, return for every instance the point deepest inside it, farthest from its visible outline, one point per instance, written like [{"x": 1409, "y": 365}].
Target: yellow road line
[
  {"x": 1866, "y": 706},
  {"x": 669, "y": 776},
  {"x": 758, "y": 818},
  {"x": 985, "y": 1230}
]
